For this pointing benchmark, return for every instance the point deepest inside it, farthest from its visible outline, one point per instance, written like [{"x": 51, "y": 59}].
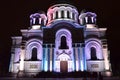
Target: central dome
[{"x": 62, "y": 12}]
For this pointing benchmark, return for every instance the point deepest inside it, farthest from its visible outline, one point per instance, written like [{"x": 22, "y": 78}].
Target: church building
[{"x": 61, "y": 40}]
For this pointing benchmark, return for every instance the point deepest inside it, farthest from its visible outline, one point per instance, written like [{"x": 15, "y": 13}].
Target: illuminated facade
[{"x": 62, "y": 41}]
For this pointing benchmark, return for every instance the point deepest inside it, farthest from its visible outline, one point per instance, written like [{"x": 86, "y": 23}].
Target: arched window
[
  {"x": 42, "y": 22},
  {"x": 31, "y": 22},
  {"x": 37, "y": 21},
  {"x": 62, "y": 14},
  {"x": 34, "y": 54},
  {"x": 73, "y": 16},
  {"x": 56, "y": 15},
  {"x": 63, "y": 44},
  {"x": 68, "y": 14},
  {"x": 89, "y": 19},
  {"x": 93, "y": 53}
]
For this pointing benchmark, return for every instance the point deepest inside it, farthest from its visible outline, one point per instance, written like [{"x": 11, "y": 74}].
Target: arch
[
  {"x": 93, "y": 45},
  {"x": 68, "y": 14},
  {"x": 63, "y": 31},
  {"x": 63, "y": 57},
  {"x": 73, "y": 16},
  {"x": 42, "y": 22},
  {"x": 30, "y": 45},
  {"x": 37, "y": 21},
  {"x": 89, "y": 20},
  {"x": 34, "y": 54},
  {"x": 64, "y": 64},
  {"x": 62, "y": 14},
  {"x": 56, "y": 17},
  {"x": 67, "y": 23},
  {"x": 63, "y": 38},
  {"x": 93, "y": 53},
  {"x": 31, "y": 22},
  {"x": 63, "y": 43}
]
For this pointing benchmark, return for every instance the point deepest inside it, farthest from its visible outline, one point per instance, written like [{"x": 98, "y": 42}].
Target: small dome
[
  {"x": 62, "y": 12},
  {"x": 37, "y": 20},
  {"x": 87, "y": 18}
]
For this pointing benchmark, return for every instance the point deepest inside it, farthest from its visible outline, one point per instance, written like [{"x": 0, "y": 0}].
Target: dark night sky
[{"x": 15, "y": 16}]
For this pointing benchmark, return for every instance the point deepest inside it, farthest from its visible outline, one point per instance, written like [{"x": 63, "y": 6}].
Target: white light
[
  {"x": 22, "y": 61},
  {"x": 54, "y": 15},
  {"x": 46, "y": 68},
  {"x": 92, "y": 20},
  {"x": 102, "y": 29},
  {"x": 36, "y": 27},
  {"x": 50, "y": 65},
  {"x": 77, "y": 66},
  {"x": 81, "y": 65},
  {"x": 59, "y": 14},
  {"x": 86, "y": 18},
  {"x": 64, "y": 57},
  {"x": 21, "y": 65},
  {"x": 65, "y": 13},
  {"x": 71, "y": 15},
  {"x": 108, "y": 73},
  {"x": 106, "y": 59},
  {"x": 90, "y": 26}
]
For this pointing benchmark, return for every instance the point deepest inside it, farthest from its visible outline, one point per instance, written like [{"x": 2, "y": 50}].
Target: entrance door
[{"x": 63, "y": 66}]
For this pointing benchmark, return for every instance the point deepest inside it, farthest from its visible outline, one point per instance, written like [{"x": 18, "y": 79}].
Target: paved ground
[{"x": 8, "y": 78}]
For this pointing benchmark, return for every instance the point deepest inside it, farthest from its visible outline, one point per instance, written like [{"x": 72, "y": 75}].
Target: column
[
  {"x": 74, "y": 58},
  {"x": 51, "y": 51},
  {"x": 11, "y": 66},
  {"x": 53, "y": 62},
  {"x": 84, "y": 57},
  {"x": 43, "y": 62},
  {"x": 81, "y": 21},
  {"x": 54, "y": 15},
  {"x": 105, "y": 54},
  {"x": 76, "y": 53},
  {"x": 40, "y": 20},
  {"x": 71, "y": 15},
  {"x": 46, "y": 59},
  {"x": 92, "y": 19},
  {"x": 59, "y": 14},
  {"x": 81, "y": 58},
  {"x": 86, "y": 19},
  {"x": 22, "y": 58},
  {"x": 34, "y": 20},
  {"x": 75, "y": 17},
  {"x": 65, "y": 13}
]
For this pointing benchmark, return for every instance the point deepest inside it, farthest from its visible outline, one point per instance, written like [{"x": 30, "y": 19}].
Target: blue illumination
[
  {"x": 74, "y": 68},
  {"x": 45, "y": 67},
  {"x": 79, "y": 58},
  {"x": 52, "y": 58},
  {"x": 84, "y": 59},
  {"x": 45, "y": 61},
  {"x": 48, "y": 30},
  {"x": 82, "y": 67},
  {"x": 48, "y": 53}
]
